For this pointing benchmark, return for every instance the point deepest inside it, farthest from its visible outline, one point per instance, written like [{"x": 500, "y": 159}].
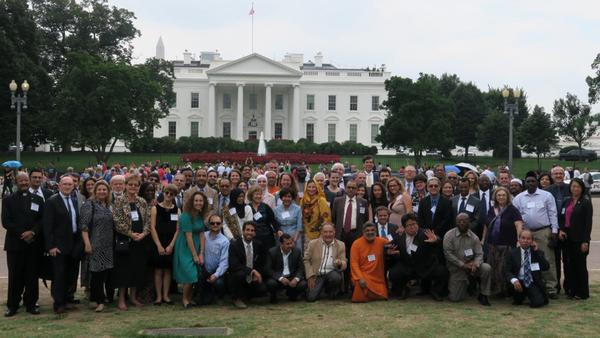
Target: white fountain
[{"x": 262, "y": 145}]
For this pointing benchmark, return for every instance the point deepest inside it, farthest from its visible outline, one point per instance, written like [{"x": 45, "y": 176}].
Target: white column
[
  {"x": 240, "y": 112},
  {"x": 296, "y": 113},
  {"x": 211, "y": 109},
  {"x": 268, "y": 110}
]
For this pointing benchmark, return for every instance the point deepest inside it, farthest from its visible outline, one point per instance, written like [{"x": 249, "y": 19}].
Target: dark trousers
[
  {"x": 73, "y": 281},
  {"x": 64, "y": 271},
  {"x": 208, "y": 292},
  {"x": 274, "y": 286},
  {"x": 437, "y": 275},
  {"x": 22, "y": 275},
  {"x": 576, "y": 273},
  {"x": 241, "y": 289},
  {"x": 348, "y": 239},
  {"x": 558, "y": 252},
  {"x": 331, "y": 283},
  {"x": 536, "y": 295},
  {"x": 99, "y": 282}
]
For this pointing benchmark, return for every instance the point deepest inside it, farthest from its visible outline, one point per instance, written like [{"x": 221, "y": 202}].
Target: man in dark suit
[
  {"x": 285, "y": 269},
  {"x": 246, "y": 266},
  {"x": 523, "y": 268},
  {"x": 435, "y": 211},
  {"x": 468, "y": 204},
  {"x": 349, "y": 213},
  {"x": 413, "y": 255},
  {"x": 63, "y": 241},
  {"x": 485, "y": 196},
  {"x": 385, "y": 229},
  {"x": 22, "y": 218},
  {"x": 36, "y": 178}
]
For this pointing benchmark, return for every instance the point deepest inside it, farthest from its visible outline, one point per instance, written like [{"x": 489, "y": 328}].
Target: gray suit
[{"x": 471, "y": 208}]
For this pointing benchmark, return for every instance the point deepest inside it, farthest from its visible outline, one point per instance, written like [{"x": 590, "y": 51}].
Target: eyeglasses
[
  {"x": 350, "y": 187},
  {"x": 452, "y": 178},
  {"x": 167, "y": 193},
  {"x": 433, "y": 186},
  {"x": 214, "y": 223}
]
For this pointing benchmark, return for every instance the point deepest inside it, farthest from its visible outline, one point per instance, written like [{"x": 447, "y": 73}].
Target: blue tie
[
  {"x": 461, "y": 208},
  {"x": 527, "y": 269},
  {"x": 383, "y": 234}
]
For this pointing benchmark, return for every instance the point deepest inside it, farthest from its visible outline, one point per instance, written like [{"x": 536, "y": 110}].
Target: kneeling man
[
  {"x": 464, "y": 254},
  {"x": 367, "y": 265},
  {"x": 285, "y": 269}
]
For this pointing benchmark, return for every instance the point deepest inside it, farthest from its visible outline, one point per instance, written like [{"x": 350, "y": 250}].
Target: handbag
[{"x": 122, "y": 245}]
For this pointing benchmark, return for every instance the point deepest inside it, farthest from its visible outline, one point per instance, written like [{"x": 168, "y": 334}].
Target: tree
[
  {"x": 100, "y": 101},
  {"x": 470, "y": 111},
  {"x": 418, "y": 116},
  {"x": 537, "y": 133},
  {"x": 19, "y": 52},
  {"x": 594, "y": 82},
  {"x": 573, "y": 120}
]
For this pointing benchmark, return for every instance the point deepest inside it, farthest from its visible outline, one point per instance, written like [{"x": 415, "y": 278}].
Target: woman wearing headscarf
[
  {"x": 315, "y": 211},
  {"x": 236, "y": 214},
  {"x": 268, "y": 198}
]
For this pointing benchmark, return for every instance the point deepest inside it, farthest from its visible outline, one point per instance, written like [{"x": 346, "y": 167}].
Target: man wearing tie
[
  {"x": 385, "y": 229},
  {"x": 435, "y": 211},
  {"x": 246, "y": 266},
  {"x": 201, "y": 185},
  {"x": 369, "y": 170},
  {"x": 523, "y": 268},
  {"x": 410, "y": 172},
  {"x": 22, "y": 218},
  {"x": 349, "y": 213},
  {"x": 223, "y": 200},
  {"x": 36, "y": 178},
  {"x": 485, "y": 196},
  {"x": 63, "y": 241},
  {"x": 468, "y": 204}
]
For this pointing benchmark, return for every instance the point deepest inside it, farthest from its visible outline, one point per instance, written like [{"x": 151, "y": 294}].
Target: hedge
[
  {"x": 222, "y": 145},
  {"x": 241, "y": 157}
]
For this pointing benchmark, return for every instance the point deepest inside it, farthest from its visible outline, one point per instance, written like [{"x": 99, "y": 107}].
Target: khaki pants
[
  {"x": 459, "y": 282},
  {"x": 542, "y": 238}
]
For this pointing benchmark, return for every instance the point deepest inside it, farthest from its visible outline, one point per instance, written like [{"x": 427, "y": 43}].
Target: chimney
[
  {"x": 319, "y": 60},
  {"x": 187, "y": 57},
  {"x": 160, "y": 49}
]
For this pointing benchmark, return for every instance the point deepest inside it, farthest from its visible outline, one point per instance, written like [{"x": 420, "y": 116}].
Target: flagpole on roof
[{"x": 252, "y": 34}]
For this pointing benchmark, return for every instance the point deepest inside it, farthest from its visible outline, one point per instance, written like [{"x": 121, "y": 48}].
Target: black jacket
[
  {"x": 512, "y": 265},
  {"x": 18, "y": 216},
  {"x": 442, "y": 222},
  {"x": 423, "y": 260},
  {"x": 58, "y": 231},
  {"x": 274, "y": 264},
  {"x": 237, "y": 257},
  {"x": 581, "y": 220}
]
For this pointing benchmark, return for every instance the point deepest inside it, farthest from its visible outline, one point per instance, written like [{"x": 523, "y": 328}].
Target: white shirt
[
  {"x": 370, "y": 178},
  {"x": 460, "y": 200},
  {"x": 326, "y": 259},
  {"x": 286, "y": 263},
  {"x": 69, "y": 205},
  {"x": 409, "y": 242},
  {"x": 521, "y": 271},
  {"x": 409, "y": 186},
  {"x": 354, "y": 206},
  {"x": 38, "y": 192},
  {"x": 248, "y": 247}
]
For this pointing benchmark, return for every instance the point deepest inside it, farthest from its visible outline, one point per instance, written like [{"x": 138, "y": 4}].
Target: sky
[{"x": 545, "y": 47}]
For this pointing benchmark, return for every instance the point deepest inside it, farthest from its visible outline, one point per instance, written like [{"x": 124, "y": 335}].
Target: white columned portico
[
  {"x": 240, "y": 112},
  {"x": 268, "y": 110},
  {"x": 211, "y": 109},
  {"x": 296, "y": 113}
]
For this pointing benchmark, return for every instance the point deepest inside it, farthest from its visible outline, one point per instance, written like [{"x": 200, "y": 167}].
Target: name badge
[
  {"x": 535, "y": 266},
  {"x": 416, "y": 209},
  {"x": 470, "y": 208},
  {"x": 531, "y": 205},
  {"x": 232, "y": 211},
  {"x": 371, "y": 258},
  {"x": 135, "y": 216},
  {"x": 35, "y": 207},
  {"x": 468, "y": 252},
  {"x": 361, "y": 210},
  {"x": 433, "y": 210},
  {"x": 329, "y": 204},
  {"x": 562, "y": 211},
  {"x": 389, "y": 237},
  {"x": 300, "y": 194},
  {"x": 285, "y": 214},
  {"x": 174, "y": 217},
  {"x": 257, "y": 216},
  {"x": 210, "y": 200},
  {"x": 539, "y": 205},
  {"x": 413, "y": 247}
]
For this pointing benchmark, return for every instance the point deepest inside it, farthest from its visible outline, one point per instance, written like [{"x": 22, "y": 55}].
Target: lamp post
[
  {"x": 511, "y": 109},
  {"x": 18, "y": 101}
]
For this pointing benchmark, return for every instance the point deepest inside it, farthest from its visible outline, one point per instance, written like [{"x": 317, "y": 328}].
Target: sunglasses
[
  {"x": 214, "y": 223},
  {"x": 168, "y": 193}
]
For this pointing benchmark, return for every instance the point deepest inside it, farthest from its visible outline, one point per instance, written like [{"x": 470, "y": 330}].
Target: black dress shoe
[
  {"x": 73, "y": 301},
  {"x": 483, "y": 300},
  {"x": 403, "y": 293},
  {"x": 436, "y": 297},
  {"x": 168, "y": 302},
  {"x": 10, "y": 313},
  {"x": 60, "y": 310},
  {"x": 517, "y": 303},
  {"x": 273, "y": 300},
  {"x": 34, "y": 311},
  {"x": 553, "y": 296}
]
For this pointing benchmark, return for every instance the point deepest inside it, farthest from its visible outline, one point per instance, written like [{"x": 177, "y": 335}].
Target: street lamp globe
[
  {"x": 517, "y": 93},
  {"x": 25, "y": 86},
  {"x": 12, "y": 86},
  {"x": 505, "y": 93}
]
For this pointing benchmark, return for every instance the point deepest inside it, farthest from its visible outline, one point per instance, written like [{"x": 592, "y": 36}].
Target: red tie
[{"x": 348, "y": 217}]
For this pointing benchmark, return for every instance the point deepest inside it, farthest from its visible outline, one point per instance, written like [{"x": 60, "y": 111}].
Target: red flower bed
[{"x": 241, "y": 157}]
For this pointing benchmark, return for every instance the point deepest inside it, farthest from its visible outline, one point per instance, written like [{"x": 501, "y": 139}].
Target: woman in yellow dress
[{"x": 315, "y": 211}]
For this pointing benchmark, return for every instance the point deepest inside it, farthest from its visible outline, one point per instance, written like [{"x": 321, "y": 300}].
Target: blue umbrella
[
  {"x": 12, "y": 164},
  {"x": 450, "y": 168}
]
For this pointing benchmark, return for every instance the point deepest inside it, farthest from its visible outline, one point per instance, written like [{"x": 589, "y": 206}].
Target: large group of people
[{"x": 141, "y": 234}]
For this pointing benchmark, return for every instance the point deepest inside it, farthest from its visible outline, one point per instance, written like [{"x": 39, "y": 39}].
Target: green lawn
[
  {"x": 415, "y": 317},
  {"x": 80, "y": 160}
]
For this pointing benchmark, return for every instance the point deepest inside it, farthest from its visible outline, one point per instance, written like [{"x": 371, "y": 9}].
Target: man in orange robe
[{"x": 367, "y": 266}]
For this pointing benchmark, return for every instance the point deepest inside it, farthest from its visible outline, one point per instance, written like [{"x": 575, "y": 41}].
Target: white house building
[{"x": 288, "y": 99}]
